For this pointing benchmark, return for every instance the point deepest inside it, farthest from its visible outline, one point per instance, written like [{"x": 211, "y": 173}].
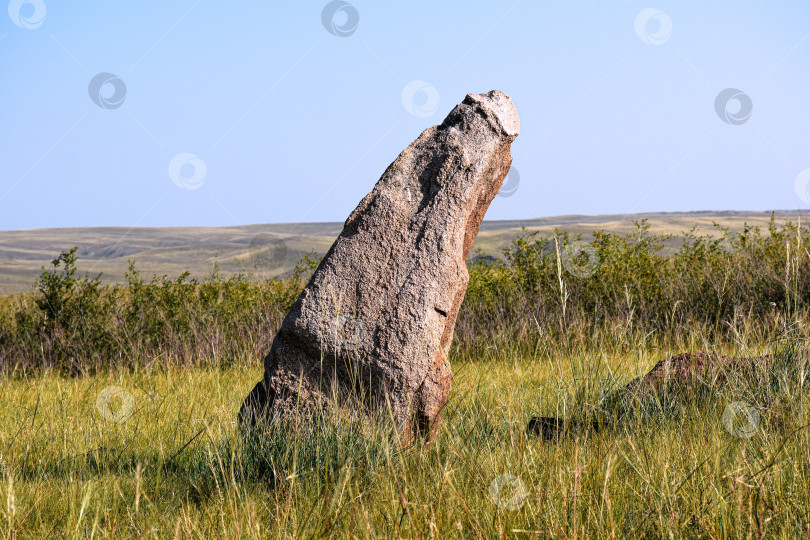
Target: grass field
[
  {"x": 118, "y": 404},
  {"x": 178, "y": 468}
]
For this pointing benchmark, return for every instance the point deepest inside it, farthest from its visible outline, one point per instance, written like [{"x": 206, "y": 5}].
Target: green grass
[
  {"x": 533, "y": 337},
  {"x": 178, "y": 467}
]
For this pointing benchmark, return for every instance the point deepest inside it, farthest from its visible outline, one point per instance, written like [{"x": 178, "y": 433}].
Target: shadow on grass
[{"x": 322, "y": 446}]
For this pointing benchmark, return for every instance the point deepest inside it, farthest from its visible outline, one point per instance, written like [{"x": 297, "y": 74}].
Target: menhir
[{"x": 375, "y": 322}]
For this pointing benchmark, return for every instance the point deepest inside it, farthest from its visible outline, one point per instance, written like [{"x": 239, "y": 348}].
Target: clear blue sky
[{"x": 293, "y": 123}]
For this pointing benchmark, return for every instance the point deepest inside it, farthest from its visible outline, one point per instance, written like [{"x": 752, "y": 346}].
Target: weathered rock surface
[
  {"x": 690, "y": 370},
  {"x": 674, "y": 379},
  {"x": 376, "y": 320}
]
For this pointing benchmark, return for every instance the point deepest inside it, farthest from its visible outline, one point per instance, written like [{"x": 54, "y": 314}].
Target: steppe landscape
[
  {"x": 119, "y": 407},
  {"x": 343, "y": 269}
]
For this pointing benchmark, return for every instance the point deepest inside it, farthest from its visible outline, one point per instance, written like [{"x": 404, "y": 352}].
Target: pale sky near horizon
[{"x": 213, "y": 114}]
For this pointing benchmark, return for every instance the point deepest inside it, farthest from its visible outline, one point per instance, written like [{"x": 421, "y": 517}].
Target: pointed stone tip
[{"x": 501, "y": 107}]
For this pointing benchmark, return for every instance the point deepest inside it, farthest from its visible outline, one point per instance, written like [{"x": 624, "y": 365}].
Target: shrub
[{"x": 544, "y": 297}]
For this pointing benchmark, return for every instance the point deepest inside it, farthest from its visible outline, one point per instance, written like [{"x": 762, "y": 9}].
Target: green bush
[
  {"x": 639, "y": 290},
  {"x": 77, "y": 325},
  {"x": 544, "y": 297}
]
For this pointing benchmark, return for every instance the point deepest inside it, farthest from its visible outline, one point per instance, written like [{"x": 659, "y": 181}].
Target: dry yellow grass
[{"x": 176, "y": 466}]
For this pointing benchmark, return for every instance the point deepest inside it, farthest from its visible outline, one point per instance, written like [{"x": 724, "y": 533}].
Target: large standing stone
[{"x": 376, "y": 320}]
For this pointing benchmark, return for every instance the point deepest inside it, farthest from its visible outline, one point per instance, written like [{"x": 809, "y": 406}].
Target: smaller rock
[{"x": 672, "y": 380}]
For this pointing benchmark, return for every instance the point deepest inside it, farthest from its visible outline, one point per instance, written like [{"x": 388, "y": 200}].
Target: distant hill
[{"x": 272, "y": 249}]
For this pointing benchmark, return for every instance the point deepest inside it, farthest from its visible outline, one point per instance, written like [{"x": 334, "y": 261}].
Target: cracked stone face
[{"x": 376, "y": 320}]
